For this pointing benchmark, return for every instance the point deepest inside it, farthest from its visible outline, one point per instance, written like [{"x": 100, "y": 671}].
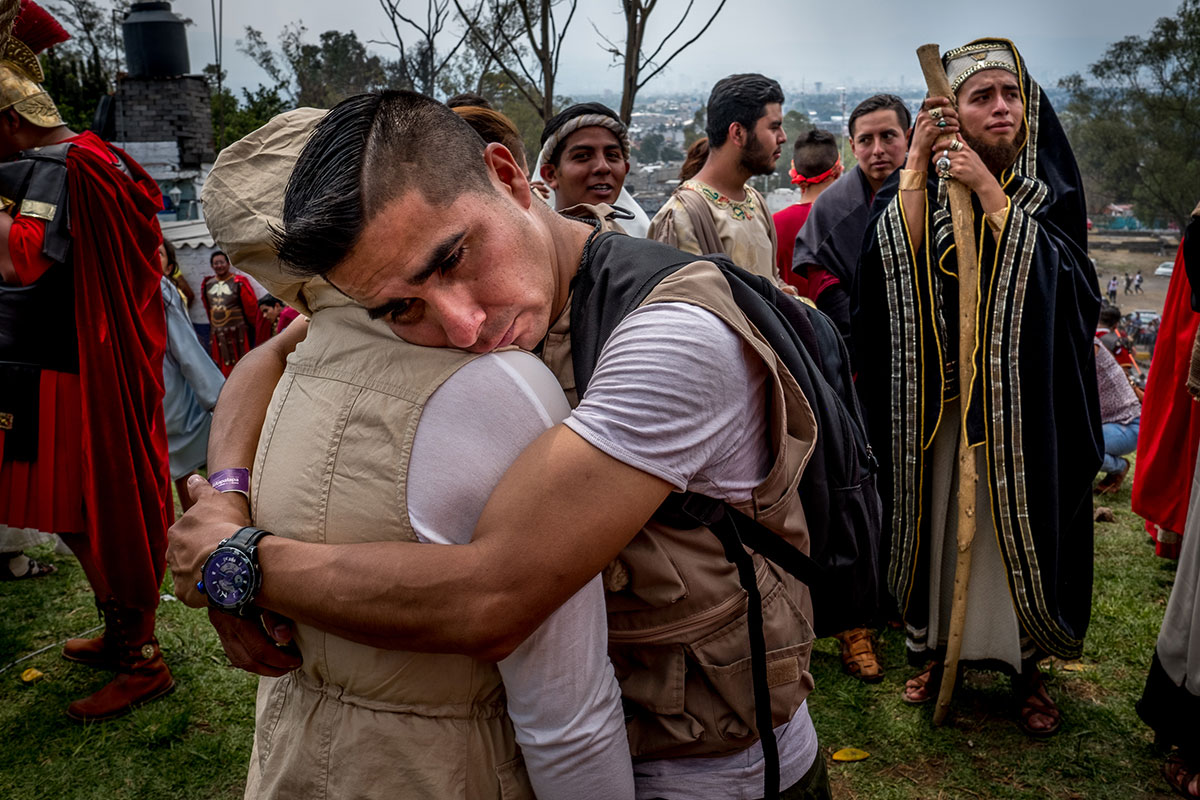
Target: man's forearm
[
  {"x": 395, "y": 595},
  {"x": 552, "y": 524}
]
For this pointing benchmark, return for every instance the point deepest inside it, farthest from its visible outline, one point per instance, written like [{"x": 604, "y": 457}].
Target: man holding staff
[{"x": 1028, "y": 408}]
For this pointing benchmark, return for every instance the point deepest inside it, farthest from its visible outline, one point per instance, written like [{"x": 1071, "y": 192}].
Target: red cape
[
  {"x": 1170, "y": 427},
  {"x": 122, "y": 336}
]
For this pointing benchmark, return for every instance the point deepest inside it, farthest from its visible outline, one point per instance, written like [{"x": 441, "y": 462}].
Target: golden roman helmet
[
  {"x": 20, "y": 86},
  {"x": 20, "y": 72}
]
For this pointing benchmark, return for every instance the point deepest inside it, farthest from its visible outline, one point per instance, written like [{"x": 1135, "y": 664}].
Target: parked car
[{"x": 1165, "y": 269}]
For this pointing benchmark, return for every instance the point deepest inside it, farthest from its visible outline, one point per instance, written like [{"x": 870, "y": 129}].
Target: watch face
[{"x": 228, "y": 577}]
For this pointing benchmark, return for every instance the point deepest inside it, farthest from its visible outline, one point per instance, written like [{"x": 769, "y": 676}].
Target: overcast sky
[{"x": 857, "y": 43}]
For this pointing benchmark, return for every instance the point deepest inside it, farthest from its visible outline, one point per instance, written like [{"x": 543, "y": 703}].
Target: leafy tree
[
  {"x": 670, "y": 152},
  {"x": 317, "y": 75},
  {"x": 1136, "y": 128},
  {"x": 795, "y": 125},
  {"x": 234, "y": 117},
  {"x": 649, "y": 149},
  {"x": 76, "y": 82},
  {"x": 695, "y": 129}
]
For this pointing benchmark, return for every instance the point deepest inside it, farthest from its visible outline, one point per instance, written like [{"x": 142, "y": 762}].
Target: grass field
[{"x": 195, "y": 744}]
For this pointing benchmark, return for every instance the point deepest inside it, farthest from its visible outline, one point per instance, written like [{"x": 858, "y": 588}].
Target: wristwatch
[{"x": 231, "y": 577}]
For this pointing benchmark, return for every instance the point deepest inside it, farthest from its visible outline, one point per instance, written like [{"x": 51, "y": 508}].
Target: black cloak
[{"x": 1033, "y": 402}]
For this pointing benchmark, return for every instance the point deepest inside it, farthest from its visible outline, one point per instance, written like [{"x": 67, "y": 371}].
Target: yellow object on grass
[{"x": 851, "y": 754}]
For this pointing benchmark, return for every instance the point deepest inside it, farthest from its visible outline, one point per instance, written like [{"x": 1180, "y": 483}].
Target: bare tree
[
  {"x": 528, "y": 52},
  {"x": 640, "y": 67},
  {"x": 420, "y": 66}
]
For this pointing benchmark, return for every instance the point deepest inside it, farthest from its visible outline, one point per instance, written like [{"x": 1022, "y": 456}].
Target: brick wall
[{"x": 167, "y": 110}]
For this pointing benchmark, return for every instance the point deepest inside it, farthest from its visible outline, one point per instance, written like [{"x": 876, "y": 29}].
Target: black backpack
[{"x": 840, "y": 500}]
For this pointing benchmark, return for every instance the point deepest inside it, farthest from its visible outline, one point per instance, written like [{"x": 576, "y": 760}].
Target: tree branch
[{"x": 683, "y": 47}]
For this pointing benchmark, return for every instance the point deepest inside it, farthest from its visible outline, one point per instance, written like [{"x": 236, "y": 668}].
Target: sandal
[
  {"x": 1038, "y": 703},
  {"x": 33, "y": 569},
  {"x": 858, "y": 655},
  {"x": 924, "y": 687},
  {"x": 1180, "y": 777}
]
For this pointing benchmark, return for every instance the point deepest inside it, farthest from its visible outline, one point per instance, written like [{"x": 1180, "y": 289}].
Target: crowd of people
[{"x": 660, "y": 454}]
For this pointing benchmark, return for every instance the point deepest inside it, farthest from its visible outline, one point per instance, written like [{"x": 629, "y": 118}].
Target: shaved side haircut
[
  {"x": 367, "y": 151},
  {"x": 815, "y": 152}
]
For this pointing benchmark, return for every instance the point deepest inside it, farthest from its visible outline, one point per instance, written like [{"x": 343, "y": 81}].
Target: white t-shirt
[
  {"x": 563, "y": 696},
  {"x": 676, "y": 393}
]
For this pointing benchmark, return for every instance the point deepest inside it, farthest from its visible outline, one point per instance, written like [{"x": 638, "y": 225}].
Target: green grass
[
  {"x": 196, "y": 742},
  {"x": 1103, "y": 750}
]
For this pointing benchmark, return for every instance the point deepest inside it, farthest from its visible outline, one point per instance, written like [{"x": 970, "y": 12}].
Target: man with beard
[
  {"x": 718, "y": 211},
  {"x": 1031, "y": 406},
  {"x": 829, "y": 244}
]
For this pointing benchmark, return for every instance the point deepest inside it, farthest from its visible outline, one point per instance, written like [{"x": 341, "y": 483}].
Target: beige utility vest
[
  {"x": 676, "y": 611},
  {"x": 357, "y": 721}
]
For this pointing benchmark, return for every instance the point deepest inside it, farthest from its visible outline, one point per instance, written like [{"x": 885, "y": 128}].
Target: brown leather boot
[
  {"x": 142, "y": 675},
  {"x": 97, "y": 651},
  {"x": 858, "y": 655}
]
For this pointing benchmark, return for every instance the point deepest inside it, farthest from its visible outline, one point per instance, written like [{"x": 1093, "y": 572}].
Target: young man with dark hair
[
  {"x": 585, "y": 155},
  {"x": 718, "y": 211},
  {"x": 816, "y": 164},
  {"x": 232, "y": 311},
  {"x": 1028, "y": 405},
  {"x": 828, "y": 246},
  {"x": 679, "y": 394}
]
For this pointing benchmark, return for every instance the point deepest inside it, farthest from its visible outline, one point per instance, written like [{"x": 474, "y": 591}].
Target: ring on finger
[
  {"x": 935, "y": 114},
  {"x": 941, "y": 123},
  {"x": 956, "y": 145}
]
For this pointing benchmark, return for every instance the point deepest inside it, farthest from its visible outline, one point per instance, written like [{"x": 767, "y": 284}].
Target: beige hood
[{"x": 243, "y": 203}]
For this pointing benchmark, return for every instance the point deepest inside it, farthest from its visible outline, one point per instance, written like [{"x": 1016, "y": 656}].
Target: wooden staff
[{"x": 964, "y": 239}]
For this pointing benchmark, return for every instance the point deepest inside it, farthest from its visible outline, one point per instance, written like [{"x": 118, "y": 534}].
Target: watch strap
[{"x": 248, "y": 537}]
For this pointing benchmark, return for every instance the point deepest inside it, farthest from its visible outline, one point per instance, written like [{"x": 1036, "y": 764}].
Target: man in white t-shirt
[{"x": 681, "y": 398}]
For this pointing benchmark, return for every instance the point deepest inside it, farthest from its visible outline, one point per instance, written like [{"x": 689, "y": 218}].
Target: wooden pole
[{"x": 964, "y": 239}]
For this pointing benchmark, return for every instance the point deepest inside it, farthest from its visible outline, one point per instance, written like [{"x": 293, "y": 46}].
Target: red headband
[{"x": 800, "y": 180}]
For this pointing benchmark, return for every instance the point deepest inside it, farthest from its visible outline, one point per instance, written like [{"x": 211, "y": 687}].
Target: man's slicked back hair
[
  {"x": 815, "y": 152},
  {"x": 738, "y": 98},
  {"x": 369, "y": 150},
  {"x": 881, "y": 102}
]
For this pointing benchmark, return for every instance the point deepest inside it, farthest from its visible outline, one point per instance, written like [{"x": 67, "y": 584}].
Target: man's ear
[
  {"x": 550, "y": 176},
  {"x": 505, "y": 171},
  {"x": 737, "y": 134}
]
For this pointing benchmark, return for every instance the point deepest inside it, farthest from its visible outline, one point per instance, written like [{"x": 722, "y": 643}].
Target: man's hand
[
  {"x": 190, "y": 541},
  {"x": 968, "y": 169},
  {"x": 249, "y": 647},
  {"x": 926, "y": 131}
]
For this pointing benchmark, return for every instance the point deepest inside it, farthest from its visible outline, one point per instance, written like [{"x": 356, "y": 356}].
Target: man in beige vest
[
  {"x": 360, "y": 445},
  {"x": 445, "y": 243},
  {"x": 718, "y": 211}
]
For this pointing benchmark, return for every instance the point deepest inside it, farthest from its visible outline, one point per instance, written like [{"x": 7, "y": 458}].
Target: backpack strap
[
  {"x": 716, "y": 516},
  {"x": 736, "y": 532}
]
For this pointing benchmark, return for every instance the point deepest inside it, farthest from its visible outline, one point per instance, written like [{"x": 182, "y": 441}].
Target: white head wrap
[
  {"x": 584, "y": 121},
  {"x": 963, "y": 62}
]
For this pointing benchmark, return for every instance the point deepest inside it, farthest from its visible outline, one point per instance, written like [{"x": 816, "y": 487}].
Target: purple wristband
[{"x": 231, "y": 480}]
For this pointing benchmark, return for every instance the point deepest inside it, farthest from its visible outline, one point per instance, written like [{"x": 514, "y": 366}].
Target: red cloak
[
  {"x": 1170, "y": 428},
  {"x": 122, "y": 337}
]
